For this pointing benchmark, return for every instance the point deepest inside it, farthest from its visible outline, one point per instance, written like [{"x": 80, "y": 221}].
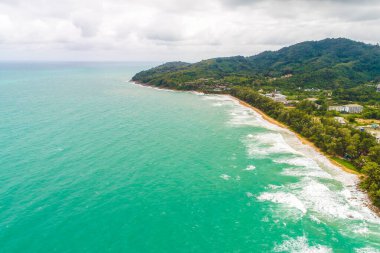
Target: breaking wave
[{"x": 301, "y": 245}]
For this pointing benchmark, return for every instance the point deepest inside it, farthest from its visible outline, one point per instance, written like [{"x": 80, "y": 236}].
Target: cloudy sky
[{"x": 163, "y": 30}]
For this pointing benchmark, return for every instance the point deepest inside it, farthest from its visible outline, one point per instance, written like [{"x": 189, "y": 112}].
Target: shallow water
[{"x": 92, "y": 163}]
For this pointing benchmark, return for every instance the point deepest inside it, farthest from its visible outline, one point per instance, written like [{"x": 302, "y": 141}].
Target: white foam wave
[
  {"x": 249, "y": 194},
  {"x": 321, "y": 199},
  {"x": 267, "y": 143},
  {"x": 272, "y": 186},
  {"x": 361, "y": 230},
  {"x": 244, "y": 116},
  {"x": 367, "y": 250},
  {"x": 315, "y": 219},
  {"x": 283, "y": 198},
  {"x": 305, "y": 172},
  {"x": 225, "y": 177},
  {"x": 217, "y": 104},
  {"x": 310, "y": 194},
  {"x": 307, "y": 168},
  {"x": 250, "y": 167},
  {"x": 310, "y": 165},
  {"x": 301, "y": 245},
  {"x": 221, "y": 98},
  {"x": 299, "y": 161}
]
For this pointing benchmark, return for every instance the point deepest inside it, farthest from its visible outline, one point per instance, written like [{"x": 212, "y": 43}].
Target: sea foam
[
  {"x": 283, "y": 198},
  {"x": 367, "y": 250},
  {"x": 301, "y": 245},
  {"x": 225, "y": 176},
  {"x": 309, "y": 165},
  {"x": 250, "y": 167},
  {"x": 264, "y": 144}
]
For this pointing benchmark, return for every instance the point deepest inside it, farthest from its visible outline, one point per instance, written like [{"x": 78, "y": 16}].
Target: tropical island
[{"x": 326, "y": 91}]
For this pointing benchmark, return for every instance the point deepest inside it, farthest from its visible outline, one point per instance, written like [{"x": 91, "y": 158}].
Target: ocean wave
[
  {"x": 322, "y": 200},
  {"x": 249, "y": 194},
  {"x": 225, "y": 177},
  {"x": 367, "y": 250},
  {"x": 311, "y": 195},
  {"x": 305, "y": 172},
  {"x": 241, "y": 115},
  {"x": 217, "y": 104},
  {"x": 221, "y": 98},
  {"x": 315, "y": 219},
  {"x": 242, "y": 118},
  {"x": 306, "y": 167},
  {"x": 250, "y": 167},
  {"x": 361, "y": 229},
  {"x": 266, "y": 144},
  {"x": 301, "y": 245},
  {"x": 305, "y": 163},
  {"x": 284, "y": 198},
  {"x": 299, "y": 161}
]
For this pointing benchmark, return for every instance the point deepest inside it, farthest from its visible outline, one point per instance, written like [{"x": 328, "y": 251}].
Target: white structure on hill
[
  {"x": 352, "y": 108},
  {"x": 277, "y": 97},
  {"x": 378, "y": 88}
]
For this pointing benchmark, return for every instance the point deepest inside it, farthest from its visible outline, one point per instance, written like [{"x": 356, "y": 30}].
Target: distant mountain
[{"x": 326, "y": 64}]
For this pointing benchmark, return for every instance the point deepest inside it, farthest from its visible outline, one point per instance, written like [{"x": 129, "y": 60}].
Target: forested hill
[{"x": 325, "y": 64}]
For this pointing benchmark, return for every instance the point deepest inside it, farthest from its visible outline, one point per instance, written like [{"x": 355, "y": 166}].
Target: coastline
[
  {"x": 301, "y": 138},
  {"x": 272, "y": 121},
  {"x": 351, "y": 175},
  {"x": 364, "y": 198}
]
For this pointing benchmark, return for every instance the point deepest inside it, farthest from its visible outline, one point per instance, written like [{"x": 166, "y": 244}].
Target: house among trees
[
  {"x": 278, "y": 97},
  {"x": 378, "y": 88},
  {"x": 351, "y": 108}
]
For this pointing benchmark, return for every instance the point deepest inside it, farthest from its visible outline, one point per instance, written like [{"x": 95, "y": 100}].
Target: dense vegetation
[
  {"x": 325, "y": 64},
  {"x": 347, "y": 69}
]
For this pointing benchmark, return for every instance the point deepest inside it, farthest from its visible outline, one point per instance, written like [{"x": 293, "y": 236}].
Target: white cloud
[{"x": 174, "y": 30}]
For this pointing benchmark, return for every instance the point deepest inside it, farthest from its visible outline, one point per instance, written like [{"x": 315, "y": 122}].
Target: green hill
[
  {"x": 325, "y": 64},
  {"x": 350, "y": 69}
]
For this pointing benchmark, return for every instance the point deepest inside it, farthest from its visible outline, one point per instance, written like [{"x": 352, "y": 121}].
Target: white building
[
  {"x": 351, "y": 108},
  {"x": 338, "y": 108},
  {"x": 378, "y": 88},
  {"x": 277, "y": 97}
]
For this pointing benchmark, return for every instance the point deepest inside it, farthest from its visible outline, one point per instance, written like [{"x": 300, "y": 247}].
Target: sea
[{"x": 92, "y": 162}]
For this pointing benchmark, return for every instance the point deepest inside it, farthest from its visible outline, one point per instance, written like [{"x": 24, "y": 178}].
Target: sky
[{"x": 167, "y": 30}]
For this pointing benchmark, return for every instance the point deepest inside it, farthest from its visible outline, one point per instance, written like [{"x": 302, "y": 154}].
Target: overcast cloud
[{"x": 162, "y": 30}]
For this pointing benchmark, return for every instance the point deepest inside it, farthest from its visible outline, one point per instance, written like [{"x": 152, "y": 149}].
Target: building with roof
[
  {"x": 338, "y": 108},
  {"x": 351, "y": 108},
  {"x": 277, "y": 97}
]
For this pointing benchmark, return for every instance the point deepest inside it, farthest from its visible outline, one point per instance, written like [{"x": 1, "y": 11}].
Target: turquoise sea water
[{"x": 92, "y": 163}]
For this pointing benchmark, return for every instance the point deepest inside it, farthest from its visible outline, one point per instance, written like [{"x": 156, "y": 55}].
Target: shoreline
[
  {"x": 272, "y": 121},
  {"x": 367, "y": 203},
  {"x": 365, "y": 200},
  {"x": 301, "y": 138}
]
